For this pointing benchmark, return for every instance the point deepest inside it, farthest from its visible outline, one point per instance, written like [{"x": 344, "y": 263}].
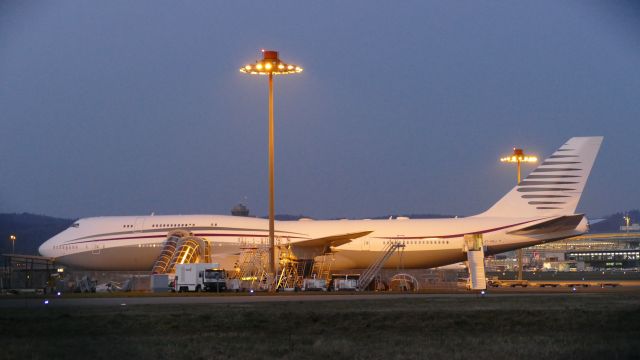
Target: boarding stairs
[
  {"x": 251, "y": 268},
  {"x": 161, "y": 264},
  {"x": 373, "y": 270},
  {"x": 189, "y": 250},
  {"x": 290, "y": 277},
  {"x": 322, "y": 268},
  {"x": 475, "y": 261},
  {"x": 293, "y": 270},
  {"x": 305, "y": 267},
  {"x": 86, "y": 284}
]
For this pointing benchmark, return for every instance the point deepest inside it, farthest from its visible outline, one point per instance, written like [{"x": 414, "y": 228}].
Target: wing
[{"x": 333, "y": 240}]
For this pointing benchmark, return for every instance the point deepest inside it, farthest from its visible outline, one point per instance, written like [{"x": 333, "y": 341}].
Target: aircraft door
[{"x": 139, "y": 224}]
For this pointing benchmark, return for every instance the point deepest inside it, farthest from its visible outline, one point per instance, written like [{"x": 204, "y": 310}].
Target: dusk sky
[{"x": 134, "y": 107}]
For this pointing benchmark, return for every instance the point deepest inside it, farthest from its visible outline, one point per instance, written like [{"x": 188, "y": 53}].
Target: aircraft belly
[
  {"x": 126, "y": 258},
  {"x": 134, "y": 258},
  {"x": 351, "y": 259}
]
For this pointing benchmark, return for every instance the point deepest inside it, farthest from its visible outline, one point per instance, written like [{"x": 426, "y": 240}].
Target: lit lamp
[
  {"x": 519, "y": 157},
  {"x": 12, "y": 237},
  {"x": 271, "y": 65},
  {"x": 627, "y": 221}
]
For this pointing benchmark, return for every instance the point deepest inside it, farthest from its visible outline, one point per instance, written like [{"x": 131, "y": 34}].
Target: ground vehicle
[
  {"x": 495, "y": 282},
  {"x": 214, "y": 280},
  {"x": 199, "y": 277}
]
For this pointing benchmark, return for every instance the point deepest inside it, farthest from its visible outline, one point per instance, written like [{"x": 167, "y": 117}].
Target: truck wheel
[{"x": 198, "y": 288}]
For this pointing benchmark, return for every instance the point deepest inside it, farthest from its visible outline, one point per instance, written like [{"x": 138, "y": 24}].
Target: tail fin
[{"x": 554, "y": 187}]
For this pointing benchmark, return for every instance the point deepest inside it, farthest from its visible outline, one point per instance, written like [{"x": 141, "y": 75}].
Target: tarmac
[{"x": 132, "y": 299}]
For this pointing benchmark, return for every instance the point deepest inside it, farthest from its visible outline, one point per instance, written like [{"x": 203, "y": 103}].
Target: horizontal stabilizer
[{"x": 562, "y": 223}]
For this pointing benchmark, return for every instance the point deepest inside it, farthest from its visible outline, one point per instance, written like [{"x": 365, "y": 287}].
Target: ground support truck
[{"x": 199, "y": 277}]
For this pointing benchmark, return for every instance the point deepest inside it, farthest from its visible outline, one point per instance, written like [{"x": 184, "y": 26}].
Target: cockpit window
[{"x": 75, "y": 225}]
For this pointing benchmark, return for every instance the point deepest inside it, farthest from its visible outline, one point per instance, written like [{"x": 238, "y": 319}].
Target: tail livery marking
[{"x": 554, "y": 187}]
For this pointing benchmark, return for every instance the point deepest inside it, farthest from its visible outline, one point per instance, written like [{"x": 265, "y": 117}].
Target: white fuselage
[
  {"x": 134, "y": 242},
  {"x": 538, "y": 209}
]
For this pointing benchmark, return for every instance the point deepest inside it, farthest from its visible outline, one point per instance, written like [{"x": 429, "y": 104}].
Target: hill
[
  {"x": 31, "y": 231},
  {"x": 612, "y": 223}
]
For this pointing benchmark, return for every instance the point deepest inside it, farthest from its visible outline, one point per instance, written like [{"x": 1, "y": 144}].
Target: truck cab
[{"x": 214, "y": 280}]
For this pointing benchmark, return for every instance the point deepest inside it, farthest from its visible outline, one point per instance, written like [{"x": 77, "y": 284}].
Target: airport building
[
  {"x": 603, "y": 259},
  {"x": 586, "y": 252}
]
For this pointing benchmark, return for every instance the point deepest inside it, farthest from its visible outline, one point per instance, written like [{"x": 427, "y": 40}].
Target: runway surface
[{"x": 75, "y": 300}]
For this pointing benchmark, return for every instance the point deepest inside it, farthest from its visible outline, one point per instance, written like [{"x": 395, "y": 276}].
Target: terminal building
[
  {"x": 605, "y": 259},
  {"x": 587, "y": 252}
]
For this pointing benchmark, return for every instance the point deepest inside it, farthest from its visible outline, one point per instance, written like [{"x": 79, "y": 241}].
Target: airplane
[{"x": 540, "y": 209}]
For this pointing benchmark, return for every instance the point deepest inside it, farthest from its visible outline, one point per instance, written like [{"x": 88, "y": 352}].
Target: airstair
[
  {"x": 373, "y": 270},
  {"x": 322, "y": 268},
  {"x": 161, "y": 264},
  {"x": 181, "y": 247},
  {"x": 251, "y": 270},
  {"x": 293, "y": 270},
  {"x": 475, "y": 261},
  {"x": 290, "y": 277},
  {"x": 86, "y": 285},
  {"x": 190, "y": 249}
]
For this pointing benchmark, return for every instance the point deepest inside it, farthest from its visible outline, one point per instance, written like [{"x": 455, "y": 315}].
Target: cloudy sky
[{"x": 133, "y": 107}]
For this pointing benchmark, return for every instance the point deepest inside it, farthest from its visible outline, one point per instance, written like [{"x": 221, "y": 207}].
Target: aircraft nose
[{"x": 46, "y": 249}]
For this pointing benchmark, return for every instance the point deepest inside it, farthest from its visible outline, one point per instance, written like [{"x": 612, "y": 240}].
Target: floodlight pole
[
  {"x": 518, "y": 157},
  {"x": 272, "y": 252},
  {"x": 520, "y": 251},
  {"x": 271, "y": 65},
  {"x": 12, "y": 237}
]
